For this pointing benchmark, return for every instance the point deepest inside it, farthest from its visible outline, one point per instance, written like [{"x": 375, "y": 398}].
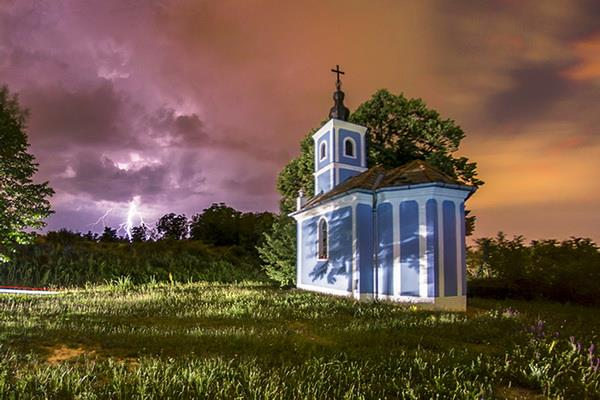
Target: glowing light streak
[
  {"x": 133, "y": 214},
  {"x": 134, "y": 218},
  {"x": 101, "y": 219}
]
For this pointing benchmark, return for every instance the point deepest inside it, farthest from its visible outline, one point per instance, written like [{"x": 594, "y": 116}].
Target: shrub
[
  {"x": 561, "y": 271},
  {"x": 278, "y": 252}
]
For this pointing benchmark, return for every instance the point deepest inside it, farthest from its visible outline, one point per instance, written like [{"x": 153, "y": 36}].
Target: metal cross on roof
[{"x": 338, "y": 72}]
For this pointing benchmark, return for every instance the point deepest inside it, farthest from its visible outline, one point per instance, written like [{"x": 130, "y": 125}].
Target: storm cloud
[{"x": 183, "y": 103}]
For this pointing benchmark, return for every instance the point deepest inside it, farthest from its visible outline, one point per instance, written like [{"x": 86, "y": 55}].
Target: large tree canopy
[
  {"x": 23, "y": 203},
  {"x": 399, "y": 130}
]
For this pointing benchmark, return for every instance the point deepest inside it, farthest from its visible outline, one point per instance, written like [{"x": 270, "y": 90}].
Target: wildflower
[
  {"x": 510, "y": 313},
  {"x": 595, "y": 363},
  {"x": 591, "y": 349},
  {"x": 538, "y": 329}
]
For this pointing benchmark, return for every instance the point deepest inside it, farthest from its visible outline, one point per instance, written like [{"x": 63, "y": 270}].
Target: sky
[{"x": 172, "y": 105}]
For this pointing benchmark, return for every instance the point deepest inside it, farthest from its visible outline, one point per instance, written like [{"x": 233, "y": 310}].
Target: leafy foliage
[
  {"x": 218, "y": 224},
  {"x": 562, "y": 271},
  {"x": 139, "y": 233},
  {"x": 402, "y": 130},
  {"x": 297, "y": 175},
  {"x": 172, "y": 226},
  {"x": 109, "y": 235},
  {"x": 23, "y": 204},
  {"x": 278, "y": 252},
  {"x": 222, "y": 225}
]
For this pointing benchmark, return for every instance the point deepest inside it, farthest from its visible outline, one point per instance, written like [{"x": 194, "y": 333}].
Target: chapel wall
[{"x": 335, "y": 272}]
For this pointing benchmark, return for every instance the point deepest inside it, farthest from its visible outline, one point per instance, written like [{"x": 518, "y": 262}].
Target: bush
[
  {"x": 278, "y": 252},
  {"x": 560, "y": 271}
]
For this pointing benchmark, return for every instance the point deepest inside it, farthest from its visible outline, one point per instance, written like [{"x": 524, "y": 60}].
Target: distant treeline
[
  {"x": 565, "y": 271},
  {"x": 219, "y": 225},
  {"x": 218, "y": 244}
]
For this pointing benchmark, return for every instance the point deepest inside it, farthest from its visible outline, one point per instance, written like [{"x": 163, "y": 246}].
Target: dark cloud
[
  {"x": 177, "y": 130},
  {"x": 534, "y": 91},
  {"x": 88, "y": 117},
  {"x": 101, "y": 179}
]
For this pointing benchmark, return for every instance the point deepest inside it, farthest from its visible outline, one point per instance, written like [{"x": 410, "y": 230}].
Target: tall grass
[
  {"x": 77, "y": 262},
  {"x": 250, "y": 340}
]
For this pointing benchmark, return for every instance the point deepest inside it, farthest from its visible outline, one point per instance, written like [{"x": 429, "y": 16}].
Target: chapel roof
[{"x": 413, "y": 173}]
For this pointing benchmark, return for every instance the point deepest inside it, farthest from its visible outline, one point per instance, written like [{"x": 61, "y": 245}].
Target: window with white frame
[
  {"x": 349, "y": 148},
  {"x": 323, "y": 251},
  {"x": 323, "y": 151}
]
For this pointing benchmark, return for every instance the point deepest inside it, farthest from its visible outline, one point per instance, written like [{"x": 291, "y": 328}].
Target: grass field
[{"x": 249, "y": 340}]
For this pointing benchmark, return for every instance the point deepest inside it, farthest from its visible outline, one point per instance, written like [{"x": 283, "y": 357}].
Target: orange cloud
[
  {"x": 548, "y": 164},
  {"x": 588, "y": 52}
]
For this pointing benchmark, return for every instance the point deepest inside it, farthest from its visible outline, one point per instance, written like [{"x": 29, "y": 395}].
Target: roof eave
[{"x": 455, "y": 186}]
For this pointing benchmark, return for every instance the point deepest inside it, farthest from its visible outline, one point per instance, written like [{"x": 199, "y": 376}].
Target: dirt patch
[
  {"x": 62, "y": 353},
  {"x": 519, "y": 393}
]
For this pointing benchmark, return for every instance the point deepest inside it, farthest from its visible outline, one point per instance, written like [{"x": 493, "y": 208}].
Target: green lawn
[{"x": 205, "y": 340}]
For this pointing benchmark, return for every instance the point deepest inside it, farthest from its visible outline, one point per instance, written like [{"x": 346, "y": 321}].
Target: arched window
[
  {"x": 323, "y": 151},
  {"x": 349, "y": 148},
  {"x": 322, "y": 237}
]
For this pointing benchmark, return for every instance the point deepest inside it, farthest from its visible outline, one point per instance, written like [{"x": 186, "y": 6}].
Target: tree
[
  {"x": 253, "y": 227},
  {"x": 109, "y": 235},
  {"x": 91, "y": 236},
  {"x": 218, "y": 225},
  {"x": 23, "y": 204},
  {"x": 222, "y": 225},
  {"x": 139, "y": 233},
  {"x": 172, "y": 226},
  {"x": 278, "y": 252}
]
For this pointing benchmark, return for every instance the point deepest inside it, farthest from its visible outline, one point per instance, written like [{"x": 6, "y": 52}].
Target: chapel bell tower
[{"x": 340, "y": 148}]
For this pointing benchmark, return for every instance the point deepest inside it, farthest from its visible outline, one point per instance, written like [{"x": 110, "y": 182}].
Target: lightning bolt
[
  {"x": 133, "y": 214},
  {"x": 102, "y": 219}
]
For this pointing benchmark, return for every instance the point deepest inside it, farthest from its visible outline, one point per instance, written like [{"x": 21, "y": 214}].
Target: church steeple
[
  {"x": 339, "y": 110},
  {"x": 340, "y": 149}
]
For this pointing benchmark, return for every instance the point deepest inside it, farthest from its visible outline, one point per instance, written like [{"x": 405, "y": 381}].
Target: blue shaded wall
[
  {"x": 409, "y": 248},
  {"x": 364, "y": 221},
  {"x": 432, "y": 251},
  {"x": 385, "y": 249},
  {"x": 378, "y": 235},
  {"x": 449, "y": 215},
  {"x": 335, "y": 273},
  {"x": 343, "y": 134},
  {"x": 346, "y": 173},
  {"x": 324, "y": 182}
]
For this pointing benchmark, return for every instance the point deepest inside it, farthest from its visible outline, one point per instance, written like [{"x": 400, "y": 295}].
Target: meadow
[{"x": 253, "y": 340}]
